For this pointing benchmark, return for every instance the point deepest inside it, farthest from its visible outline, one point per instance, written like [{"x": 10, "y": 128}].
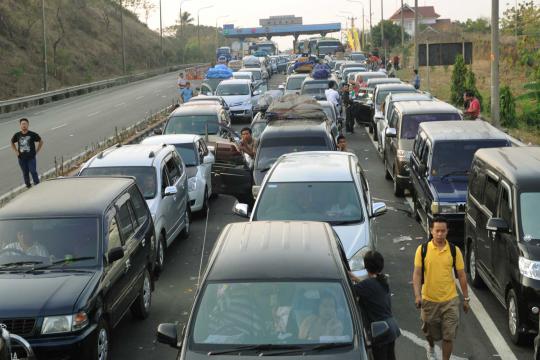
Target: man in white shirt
[
  {"x": 26, "y": 244},
  {"x": 332, "y": 95}
]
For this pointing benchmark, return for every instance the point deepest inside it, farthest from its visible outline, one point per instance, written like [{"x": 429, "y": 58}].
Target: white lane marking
[
  {"x": 120, "y": 104},
  {"x": 423, "y": 344},
  {"x": 163, "y": 96},
  {"x": 139, "y": 97},
  {"x": 4, "y": 147},
  {"x": 491, "y": 330},
  {"x": 58, "y": 127},
  {"x": 93, "y": 114},
  {"x": 39, "y": 112}
]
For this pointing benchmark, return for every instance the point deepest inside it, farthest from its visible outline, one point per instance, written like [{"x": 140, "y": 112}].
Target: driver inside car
[{"x": 27, "y": 245}]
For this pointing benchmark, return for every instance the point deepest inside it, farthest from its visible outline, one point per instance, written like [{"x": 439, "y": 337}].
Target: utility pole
[
  {"x": 427, "y": 63},
  {"x": 370, "y": 24},
  {"x": 382, "y": 32},
  {"x": 495, "y": 62},
  {"x": 160, "y": 31},
  {"x": 416, "y": 34},
  {"x": 363, "y": 30},
  {"x": 123, "y": 38},
  {"x": 402, "y": 30},
  {"x": 45, "y": 70}
]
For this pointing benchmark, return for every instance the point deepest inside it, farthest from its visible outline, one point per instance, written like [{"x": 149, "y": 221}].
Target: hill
[{"x": 84, "y": 44}]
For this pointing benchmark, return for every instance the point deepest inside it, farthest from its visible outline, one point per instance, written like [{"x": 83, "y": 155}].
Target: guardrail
[{"x": 7, "y": 106}]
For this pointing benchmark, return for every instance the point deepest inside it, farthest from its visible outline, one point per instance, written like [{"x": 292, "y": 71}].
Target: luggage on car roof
[{"x": 293, "y": 106}]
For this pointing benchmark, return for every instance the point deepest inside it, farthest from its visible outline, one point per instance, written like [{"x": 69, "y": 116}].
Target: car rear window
[{"x": 410, "y": 123}]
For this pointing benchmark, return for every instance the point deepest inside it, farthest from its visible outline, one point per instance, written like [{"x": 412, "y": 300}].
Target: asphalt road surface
[
  {"x": 482, "y": 333},
  {"x": 69, "y": 125}
]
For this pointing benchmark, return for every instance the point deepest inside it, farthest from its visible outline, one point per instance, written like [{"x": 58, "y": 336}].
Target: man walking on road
[
  {"x": 435, "y": 290},
  {"x": 347, "y": 106},
  {"x": 26, "y": 151},
  {"x": 332, "y": 95}
]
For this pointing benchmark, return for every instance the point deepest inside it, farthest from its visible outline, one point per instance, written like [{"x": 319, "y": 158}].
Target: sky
[{"x": 246, "y": 13}]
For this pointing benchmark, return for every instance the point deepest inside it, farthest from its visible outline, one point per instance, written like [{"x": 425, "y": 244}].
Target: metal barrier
[{"x": 55, "y": 95}]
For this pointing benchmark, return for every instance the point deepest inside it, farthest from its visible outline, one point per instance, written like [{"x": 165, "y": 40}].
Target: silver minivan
[{"x": 161, "y": 175}]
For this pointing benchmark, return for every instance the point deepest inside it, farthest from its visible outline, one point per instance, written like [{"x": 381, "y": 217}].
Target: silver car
[
  {"x": 321, "y": 186},
  {"x": 161, "y": 175}
]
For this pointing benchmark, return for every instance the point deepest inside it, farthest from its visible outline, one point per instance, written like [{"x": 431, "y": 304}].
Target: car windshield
[
  {"x": 410, "y": 123},
  {"x": 271, "y": 149},
  {"x": 48, "y": 240},
  {"x": 455, "y": 157},
  {"x": 256, "y": 74},
  {"x": 530, "y": 207},
  {"x": 232, "y": 89},
  {"x": 187, "y": 153},
  {"x": 295, "y": 83},
  {"x": 145, "y": 176},
  {"x": 242, "y": 76},
  {"x": 382, "y": 94},
  {"x": 192, "y": 124},
  {"x": 333, "y": 202},
  {"x": 271, "y": 313},
  {"x": 358, "y": 57}
]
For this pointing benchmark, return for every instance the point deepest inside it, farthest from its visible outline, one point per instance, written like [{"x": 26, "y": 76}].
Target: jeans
[
  {"x": 384, "y": 352},
  {"x": 28, "y": 166},
  {"x": 349, "y": 119}
]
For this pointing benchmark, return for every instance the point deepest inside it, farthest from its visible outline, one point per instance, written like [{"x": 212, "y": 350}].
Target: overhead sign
[
  {"x": 228, "y": 26},
  {"x": 281, "y": 20}
]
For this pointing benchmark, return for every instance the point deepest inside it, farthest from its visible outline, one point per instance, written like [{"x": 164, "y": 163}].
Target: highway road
[
  {"x": 69, "y": 125},
  {"x": 482, "y": 333}
]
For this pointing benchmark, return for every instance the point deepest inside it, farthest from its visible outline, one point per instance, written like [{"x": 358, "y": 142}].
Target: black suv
[
  {"x": 75, "y": 255},
  {"x": 440, "y": 163},
  {"x": 265, "y": 283},
  {"x": 502, "y": 232}
]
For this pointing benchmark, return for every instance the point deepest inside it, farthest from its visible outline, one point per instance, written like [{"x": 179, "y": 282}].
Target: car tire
[
  {"x": 141, "y": 307},
  {"x": 100, "y": 348},
  {"x": 472, "y": 268},
  {"x": 187, "y": 228},
  {"x": 160, "y": 254},
  {"x": 398, "y": 189},
  {"x": 387, "y": 175},
  {"x": 514, "y": 320}
]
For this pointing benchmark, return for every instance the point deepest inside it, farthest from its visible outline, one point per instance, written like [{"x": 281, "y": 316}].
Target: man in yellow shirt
[{"x": 435, "y": 290}]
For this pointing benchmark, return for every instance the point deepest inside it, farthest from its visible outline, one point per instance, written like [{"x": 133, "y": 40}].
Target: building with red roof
[{"x": 426, "y": 15}]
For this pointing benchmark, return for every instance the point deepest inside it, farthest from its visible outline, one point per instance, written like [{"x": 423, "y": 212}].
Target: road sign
[
  {"x": 228, "y": 26},
  {"x": 281, "y": 20}
]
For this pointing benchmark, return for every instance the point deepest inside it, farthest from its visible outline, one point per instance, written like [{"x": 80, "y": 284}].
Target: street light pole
[
  {"x": 382, "y": 32},
  {"x": 123, "y": 38},
  {"x": 160, "y": 31},
  {"x": 45, "y": 70},
  {"x": 199, "y": 25},
  {"x": 402, "y": 30},
  {"x": 495, "y": 62},
  {"x": 217, "y": 34},
  {"x": 370, "y": 24},
  {"x": 181, "y": 22},
  {"x": 416, "y": 34}
]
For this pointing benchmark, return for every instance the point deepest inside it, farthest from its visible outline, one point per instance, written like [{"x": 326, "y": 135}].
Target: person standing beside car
[
  {"x": 26, "y": 151},
  {"x": 247, "y": 144},
  {"x": 332, "y": 96},
  {"x": 472, "y": 104},
  {"x": 347, "y": 105},
  {"x": 435, "y": 264},
  {"x": 373, "y": 295}
]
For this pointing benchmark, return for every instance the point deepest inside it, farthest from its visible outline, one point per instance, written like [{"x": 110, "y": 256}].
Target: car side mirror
[
  {"x": 170, "y": 190},
  {"x": 256, "y": 92},
  {"x": 379, "y": 330},
  {"x": 208, "y": 159},
  {"x": 497, "y": 224},
  {"x": 241, "y": 210},
  {"x": 167, "y": 334},
  {"x": 115, "y": 254},
  {"x": 281, "y": 87},
  {"x": 377, "y": 209},
  {"x": 158, "y": 131},
  {"x": 390, "y": 132}
]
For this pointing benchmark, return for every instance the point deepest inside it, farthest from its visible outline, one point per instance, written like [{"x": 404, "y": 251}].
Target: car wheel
[
  {"x": 99, "y": 349},
  {"x": 141, "y": 307},
  {"x": 387, "y": 175},
  {"x": 160, "y": 254},
  {"x": 398, "y": 189},
  {"x": 472, "y": 268},
  {"x": 514, "y": 318},
  {"x": 204, "y": 208},
  {"x": 187, "y": 227}
]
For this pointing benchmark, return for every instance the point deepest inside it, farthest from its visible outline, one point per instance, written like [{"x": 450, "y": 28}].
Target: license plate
[{"x": 19, "y": 355}]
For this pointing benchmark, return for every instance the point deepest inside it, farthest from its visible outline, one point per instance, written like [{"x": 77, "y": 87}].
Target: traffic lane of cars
[
  {"x": 398, "y": 237},
  {"x": 174, "y": 292}
]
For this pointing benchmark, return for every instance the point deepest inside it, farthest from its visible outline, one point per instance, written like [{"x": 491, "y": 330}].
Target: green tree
[
  {"x": 392, "y": 34},
  {"x": 480, "y": 25},
  {"x": 470, "y": 84},
  {"x": 507, "y": 106},
  {"x": 459, "y": 75},
  {"x": 521, "y": 20}
]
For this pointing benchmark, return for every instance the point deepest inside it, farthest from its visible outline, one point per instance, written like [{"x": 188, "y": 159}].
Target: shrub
[
  {"x": 507, "y": 105},
  {"x": 458, "y": 81}
]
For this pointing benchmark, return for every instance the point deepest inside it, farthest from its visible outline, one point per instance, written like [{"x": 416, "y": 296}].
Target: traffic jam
[{"x": 300, "y": 271}]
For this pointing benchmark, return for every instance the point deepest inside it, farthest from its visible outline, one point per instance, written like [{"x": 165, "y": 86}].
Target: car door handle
[
  {"x": 143, "y": 242},
  {"x": 128, "y": 266}
]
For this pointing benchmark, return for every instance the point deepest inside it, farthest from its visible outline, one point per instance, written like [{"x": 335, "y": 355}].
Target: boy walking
[{"x": 26, "y": 151}]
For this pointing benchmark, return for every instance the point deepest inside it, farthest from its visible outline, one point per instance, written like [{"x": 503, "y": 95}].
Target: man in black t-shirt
[{"x": 26, "y": 151}]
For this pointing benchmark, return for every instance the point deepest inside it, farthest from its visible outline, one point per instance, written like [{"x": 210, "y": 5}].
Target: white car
[
  {"x": 294, "y": 83},
  {"x": 240, "y": 95},
  {"x": 243, "y": 75},
  {"x": 198, "y": 161},
  {"x": 327, "y": 186}
]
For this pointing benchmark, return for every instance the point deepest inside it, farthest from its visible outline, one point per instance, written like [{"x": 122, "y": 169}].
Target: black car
[
  {"x": 266, "y": 284},
  {"x": 442, "y": 155},
  {"x": 502, "y": 232},
  {"x": 75, "y": 255}
]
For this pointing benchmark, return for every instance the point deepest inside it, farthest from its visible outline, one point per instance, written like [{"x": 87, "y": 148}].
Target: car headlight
[
  {"x": 403, "y": 155},
  {"x": 529, "y": 268},
  {"x": 356, "y": 262},
  {"x": 64, "y": 323},
  {"x": 192, "y": 184},
  {"x": 443, "y": 208}
]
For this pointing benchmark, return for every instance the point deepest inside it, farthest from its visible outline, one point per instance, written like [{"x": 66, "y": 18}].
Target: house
[{"x": 426, "y": 16}]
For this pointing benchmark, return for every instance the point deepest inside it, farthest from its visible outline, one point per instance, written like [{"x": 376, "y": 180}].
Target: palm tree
[{"x": 186, "y": 19}]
